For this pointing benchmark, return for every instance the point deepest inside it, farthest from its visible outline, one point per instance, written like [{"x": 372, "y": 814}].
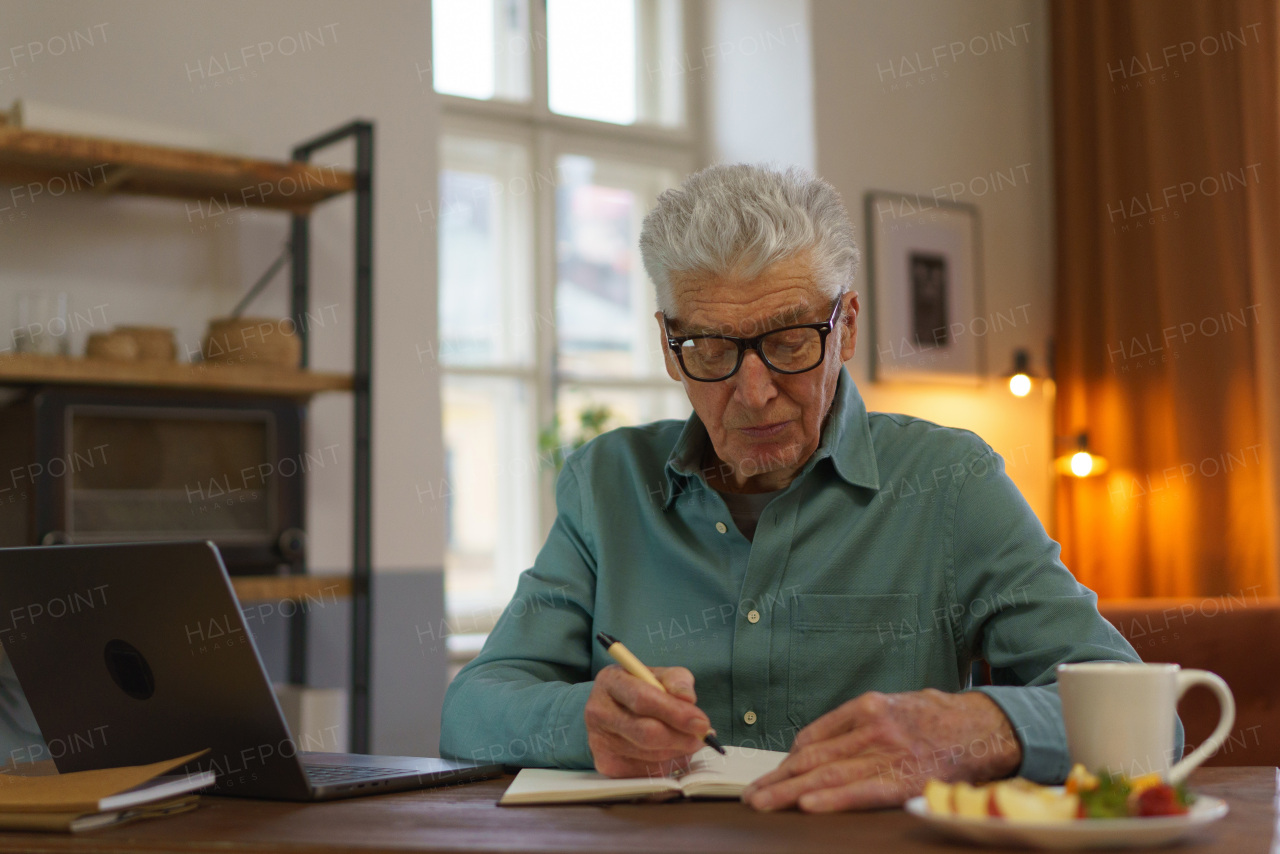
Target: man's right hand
[{"x": 635, "y": 730}]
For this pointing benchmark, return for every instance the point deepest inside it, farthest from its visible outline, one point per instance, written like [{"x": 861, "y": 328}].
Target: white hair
[{"x": 737, "y": 219}]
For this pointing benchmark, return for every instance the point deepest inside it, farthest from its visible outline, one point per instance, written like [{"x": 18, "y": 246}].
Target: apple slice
[
  {"x": 1020, "y": 801},
  {"x": 971, "y": 801},
  {"x": 937, "y": 797}
]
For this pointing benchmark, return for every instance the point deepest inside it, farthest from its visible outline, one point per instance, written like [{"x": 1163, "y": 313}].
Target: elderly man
[{"x": 799, "y": 573}]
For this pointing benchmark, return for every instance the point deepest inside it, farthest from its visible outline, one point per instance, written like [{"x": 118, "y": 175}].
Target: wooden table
[{"x": 465, "y": 818}]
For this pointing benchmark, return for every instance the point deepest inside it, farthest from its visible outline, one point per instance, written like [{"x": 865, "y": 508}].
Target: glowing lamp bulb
[
  {"x": 1081, "y": 463},
  {"x": 1020, "y": 385}
]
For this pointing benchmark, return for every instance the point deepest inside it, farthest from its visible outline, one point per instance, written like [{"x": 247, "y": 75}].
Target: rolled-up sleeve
[
  {"x": 521, "y": 700},
  {"x": 1024, "y": 613}
]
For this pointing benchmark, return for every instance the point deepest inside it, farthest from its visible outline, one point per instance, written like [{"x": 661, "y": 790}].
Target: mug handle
[{"x": 1227, "y": 718}]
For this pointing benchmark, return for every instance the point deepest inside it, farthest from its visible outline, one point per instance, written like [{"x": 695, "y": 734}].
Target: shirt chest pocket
[{"x": 842, "y": 646}]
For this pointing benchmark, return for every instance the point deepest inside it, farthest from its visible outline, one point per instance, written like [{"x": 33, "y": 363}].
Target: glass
[
  {"x": 604, "y": 301},
  {"x": 625, "y": 407},
  {"x": 788, "y": 350},
  {"x": 486, "y": 255},
  {"x": 488, "y": 492},
  {"x": 187, "y": 476},
  {"x": 481, "y": 48},
  {"x": 42, "y": 324},
  {"x": 618, "y": 61},
  {"x": 591, "y": 59}
]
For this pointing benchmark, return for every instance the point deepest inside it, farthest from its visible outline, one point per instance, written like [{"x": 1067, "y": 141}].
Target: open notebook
[{"x": 710, "y": 775}]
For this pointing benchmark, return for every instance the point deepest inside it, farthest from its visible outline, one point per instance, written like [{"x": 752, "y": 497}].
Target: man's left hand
[{"x": 879, "y": 749}]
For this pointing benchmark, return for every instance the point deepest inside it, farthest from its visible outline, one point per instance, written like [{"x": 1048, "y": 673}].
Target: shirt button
[
  {"x": 750, "y": 718},
  {"x": 753, "y": 616},
  {"x": 721, "y": 527}
]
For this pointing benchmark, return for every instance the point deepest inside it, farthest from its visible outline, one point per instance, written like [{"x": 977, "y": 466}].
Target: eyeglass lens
[{"x": 786, "y": 349}]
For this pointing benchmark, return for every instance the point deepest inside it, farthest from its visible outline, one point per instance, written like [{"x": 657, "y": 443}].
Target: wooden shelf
[
  {"x": 62, "y": 163},
  {"x": 303, "y": 588},
  {"x": 34, "y": 369}
]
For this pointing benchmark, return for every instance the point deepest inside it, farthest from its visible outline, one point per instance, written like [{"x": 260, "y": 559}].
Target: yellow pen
[{"x": 636, "y": 668}]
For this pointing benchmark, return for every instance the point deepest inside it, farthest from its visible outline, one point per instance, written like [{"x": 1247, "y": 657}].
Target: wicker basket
[
  {"x": 155, "y": 343},
  {"x": 263, "y": 341},
  {"x": 116, "y": 345}
]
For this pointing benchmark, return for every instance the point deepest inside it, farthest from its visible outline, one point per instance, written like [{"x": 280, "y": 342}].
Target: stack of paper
[{"x": 83, "y": 800}]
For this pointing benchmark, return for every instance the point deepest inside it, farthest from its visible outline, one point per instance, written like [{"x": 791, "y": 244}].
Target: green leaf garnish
[{"x": 1109, "y": 800}]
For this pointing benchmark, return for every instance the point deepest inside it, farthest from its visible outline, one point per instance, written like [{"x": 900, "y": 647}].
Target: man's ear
[
  {"x": 668, "y": 358},
  {"x": 849, "y": 318}
]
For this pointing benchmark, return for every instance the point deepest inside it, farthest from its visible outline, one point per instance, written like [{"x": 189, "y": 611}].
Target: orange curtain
[{"x": 1167, "y": 153}]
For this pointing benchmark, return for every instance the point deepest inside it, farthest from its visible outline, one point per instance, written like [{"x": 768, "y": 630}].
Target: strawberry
[{"x": 1160, "y": 800}]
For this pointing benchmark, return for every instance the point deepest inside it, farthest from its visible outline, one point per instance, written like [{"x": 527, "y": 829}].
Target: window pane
[
  {"x": 480, "y": 48},
  {"x": 488, "y": 495},
  {"x": 616, "y": 60},
  {"x": 604, "y": 301},
  {"x": 624, "y": 406},
  {"x": 591, "y": 60},
  {"x": 485, "y": 252}
]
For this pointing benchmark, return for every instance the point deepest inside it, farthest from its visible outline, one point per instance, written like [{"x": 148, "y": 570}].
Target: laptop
[{"x": 131, "y": 653}]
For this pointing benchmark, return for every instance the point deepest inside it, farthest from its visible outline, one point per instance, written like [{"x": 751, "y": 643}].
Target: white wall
[
  {"x": 961, "y": 119},
  {"x": 149, "y": 262},
  {"x": 758, "y": 62}
]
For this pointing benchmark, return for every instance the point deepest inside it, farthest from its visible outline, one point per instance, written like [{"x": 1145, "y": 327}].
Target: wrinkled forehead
[{"x": 784, "y": 294}]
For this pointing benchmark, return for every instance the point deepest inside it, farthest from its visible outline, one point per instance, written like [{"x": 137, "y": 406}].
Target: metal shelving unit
[{"x": 361, "y": 381}]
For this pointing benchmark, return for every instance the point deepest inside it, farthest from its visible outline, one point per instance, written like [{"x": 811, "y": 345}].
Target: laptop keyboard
[{"x": 343, "y": 773}]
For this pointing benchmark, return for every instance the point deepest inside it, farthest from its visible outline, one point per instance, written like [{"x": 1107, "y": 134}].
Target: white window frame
[{"x": 549, "y": 135}]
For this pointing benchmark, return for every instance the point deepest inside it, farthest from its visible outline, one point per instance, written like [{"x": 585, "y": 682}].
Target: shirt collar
[{"x": 846, "y": 440}]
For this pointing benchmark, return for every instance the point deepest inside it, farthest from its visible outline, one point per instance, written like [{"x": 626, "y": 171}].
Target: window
[
  {"x": 562, "y": 122},
  {"x": 480, "y": 48}
]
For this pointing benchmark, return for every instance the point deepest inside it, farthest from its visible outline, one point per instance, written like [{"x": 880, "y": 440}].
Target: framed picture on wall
[{"x": 926, "y": 313}]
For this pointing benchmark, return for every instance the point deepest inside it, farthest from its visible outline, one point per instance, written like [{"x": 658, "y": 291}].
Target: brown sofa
[{"x": 1237, "y": 637}]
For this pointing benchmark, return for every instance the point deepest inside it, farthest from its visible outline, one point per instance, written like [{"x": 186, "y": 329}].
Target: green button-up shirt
[{"x": 899, "y": 555}]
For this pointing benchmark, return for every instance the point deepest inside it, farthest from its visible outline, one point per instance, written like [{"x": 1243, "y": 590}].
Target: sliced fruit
[
  {"x": 1080, "y": 780},
  {"x": 1138, "y": 785},
  {"x": 1018, "y": 786},
  {"x": 971, "y": 801},
  {"x": 1161, "y": 799},
  {"x": 1086, "y": 796},
  {"x": 937, "y": 797},
  {"x": 1020, "y": 801}
]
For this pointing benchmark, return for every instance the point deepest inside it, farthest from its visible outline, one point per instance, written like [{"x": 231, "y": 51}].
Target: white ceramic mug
[{"x": 1119, "y": 716}]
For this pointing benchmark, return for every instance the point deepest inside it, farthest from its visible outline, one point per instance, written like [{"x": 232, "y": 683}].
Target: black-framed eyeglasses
[{"x": 788, "y": 350}]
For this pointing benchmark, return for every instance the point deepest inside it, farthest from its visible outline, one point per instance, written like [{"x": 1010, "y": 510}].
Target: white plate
[{"x": 1082, "y": 833}]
